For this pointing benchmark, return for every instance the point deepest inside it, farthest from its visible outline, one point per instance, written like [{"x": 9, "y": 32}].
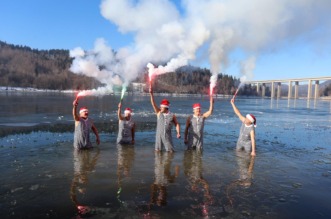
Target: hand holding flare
[
  {"x": 80, "y": 94},
  {"x": 75, "y": 103}
]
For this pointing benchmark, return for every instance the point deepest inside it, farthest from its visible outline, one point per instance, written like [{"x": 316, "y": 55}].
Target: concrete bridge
[{"x": 290, "y": 82}]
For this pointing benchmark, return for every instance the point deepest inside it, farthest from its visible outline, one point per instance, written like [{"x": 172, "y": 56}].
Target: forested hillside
[
  {"x": 21, "y": 66},
  {"x": 194, "y": 80}
]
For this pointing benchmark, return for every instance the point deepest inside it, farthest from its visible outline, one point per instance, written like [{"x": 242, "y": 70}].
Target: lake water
[{"x": 42, "y": 176}]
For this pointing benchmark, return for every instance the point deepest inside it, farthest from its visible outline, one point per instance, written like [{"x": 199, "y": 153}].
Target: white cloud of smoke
[{"x": 165, "y": 32}]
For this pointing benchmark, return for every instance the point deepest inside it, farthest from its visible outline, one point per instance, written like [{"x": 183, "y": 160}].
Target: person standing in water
[
  {"x": 83, "y": 127},
  {"x": 195, "y": 125},
  {"x": 165, "y": 120},
  {"x": 246, "y": 140},
  {"x": 126, "y": 126}
]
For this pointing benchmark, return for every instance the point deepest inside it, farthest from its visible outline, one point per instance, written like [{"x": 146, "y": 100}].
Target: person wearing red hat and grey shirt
[
  {"x": 165, "y": 120},
  {"x": 126, "y": 126},
  {"x": 195, "y": 125},
  {"x": 83, "y": 126},
  {"x": 246, "y": 140}
]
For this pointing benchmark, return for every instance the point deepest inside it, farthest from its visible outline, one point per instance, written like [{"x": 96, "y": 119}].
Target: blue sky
[
  {"x": 299, "y": 49},
  {"x": 57, "y": 24}
]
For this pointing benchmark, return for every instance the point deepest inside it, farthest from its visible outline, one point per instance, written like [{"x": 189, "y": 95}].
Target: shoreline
[{"x": 32, "y": 90}]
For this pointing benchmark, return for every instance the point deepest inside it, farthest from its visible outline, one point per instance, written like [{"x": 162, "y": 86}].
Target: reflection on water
[
  {"x": 163, "y": 175},
  {"x": 136, "y": 181},
  {"x": 245, "y": 168},
  {"x": 198, "y": 186},
  {"x": 309, "y": 103},
  {"x": 84, "y": 164},
  {"x": 245, "y": 164},
  {"x": 271, "y": 103},
  {"x": 125, "y": 160}
]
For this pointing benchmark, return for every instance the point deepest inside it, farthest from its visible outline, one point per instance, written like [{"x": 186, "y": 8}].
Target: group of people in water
[{"x": 193, "y": 134}]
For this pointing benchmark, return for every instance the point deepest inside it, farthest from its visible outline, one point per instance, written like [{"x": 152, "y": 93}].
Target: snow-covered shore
[{"x": 27, "y": 89}]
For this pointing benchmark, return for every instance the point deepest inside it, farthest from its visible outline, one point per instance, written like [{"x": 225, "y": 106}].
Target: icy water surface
[{"x": 42, "y": 176}]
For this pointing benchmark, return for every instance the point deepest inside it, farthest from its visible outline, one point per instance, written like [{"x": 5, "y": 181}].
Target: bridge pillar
[
  {"x": 296, "y": 90},
  {"x": 272, "y": 90},
  {"x": 263, "y": 89},
  {"x": 309, "y": 89},
  {"x": 316, "y": 89},
  {"x": 279, "y": 90},
  {"x": 289, "y": 94},
  {"x": 258, "y": 88}
]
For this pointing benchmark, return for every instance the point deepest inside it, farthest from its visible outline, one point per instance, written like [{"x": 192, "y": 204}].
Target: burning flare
[
  {"x": 151, "y": 70},
  {"x": 213, "y": 81},
  {"x": 240, "y": 85},
  {"x": 83, "y": 93},
  {"x": 235, "y": 94},
  {"x": 124, "y": 87}
]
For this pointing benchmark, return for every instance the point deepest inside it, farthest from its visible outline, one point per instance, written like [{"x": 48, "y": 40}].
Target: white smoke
[
  {"x": 247, "y": 70},
  {"x": 165, "y": 32},
  {"x": 99, "y": 63}
]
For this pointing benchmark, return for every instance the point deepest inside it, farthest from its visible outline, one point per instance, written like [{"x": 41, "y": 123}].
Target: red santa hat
[
  {"x": 196, "y": 106},
  {"x": 251, "y": 118},
  {"x": 165, "y": 103},
  {"x": 127, "y": 111},
  {"x": 83, "y": 109}
]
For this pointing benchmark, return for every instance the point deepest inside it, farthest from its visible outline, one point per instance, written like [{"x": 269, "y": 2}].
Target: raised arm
[
  {"x": 156, "y": 109},
  {"x": 236, "y": 111},
  {"x": 74, "y": 110},
  {"x": 119, "y": 115},
  {"x": 211, "y": 108}
]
